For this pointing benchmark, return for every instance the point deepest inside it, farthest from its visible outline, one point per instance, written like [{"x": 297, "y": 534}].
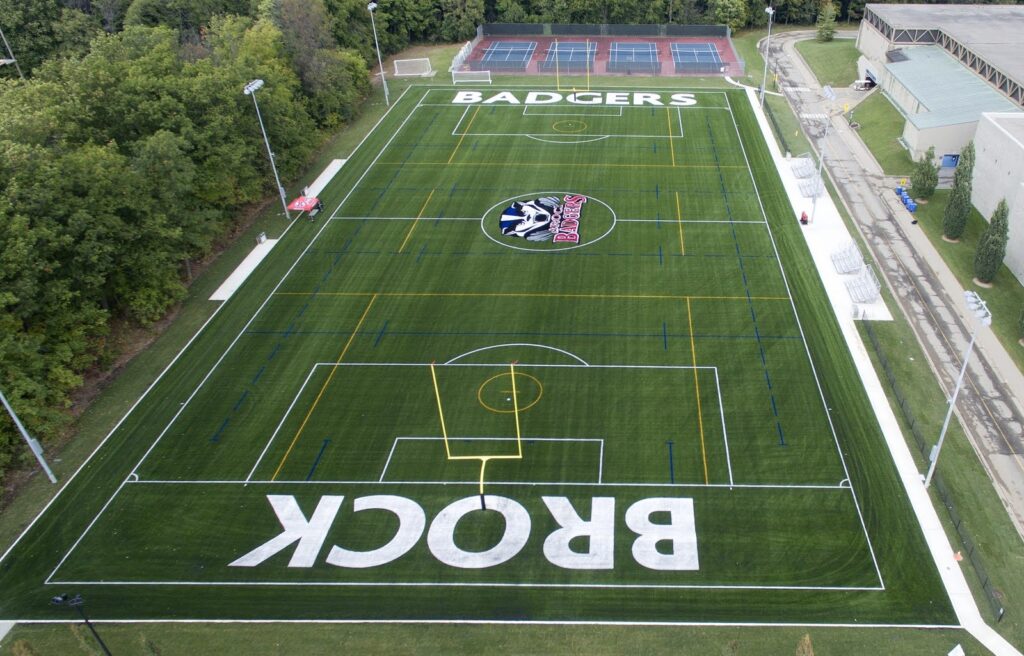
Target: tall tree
[
  {"x": 954, "y": 219},
  {"x": 992, "y": 245},
  {"x": 925, "y": 175},
  {"x": 29, "y": 28},
  {"x": 730, "y": 12},
  {"x": 826, "y": 22}
]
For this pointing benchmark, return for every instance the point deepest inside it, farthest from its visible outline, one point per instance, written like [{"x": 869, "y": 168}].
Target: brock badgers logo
[{"x": 544, "y": 219}]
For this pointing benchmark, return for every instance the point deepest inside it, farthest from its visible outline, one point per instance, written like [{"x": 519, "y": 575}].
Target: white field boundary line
[
  {"x": 679, "y": 117},
  {"x": 451, "y": 363},
  {"x": 964, "y": 604},
  {"x": 239, "y": 335},
  {"x": 434, "y": 584},
  {"x": 725, "y": 433},
  {"x": 586, "y": 440},
  {"x": 516, "y": 623},
  {"x": 803, "y": 339},
  {"x": 455, "y": 130},
  {"x": 279, "y": 482}
]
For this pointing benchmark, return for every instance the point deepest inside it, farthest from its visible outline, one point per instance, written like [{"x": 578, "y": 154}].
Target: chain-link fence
[
  {"x": 924, "y": 446},
  {"x": 777, "y": 128},
  {"x": 606, "y": 29}
]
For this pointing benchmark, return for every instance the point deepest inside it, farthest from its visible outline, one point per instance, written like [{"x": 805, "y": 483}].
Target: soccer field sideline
[{"x": 942, "y": 551}]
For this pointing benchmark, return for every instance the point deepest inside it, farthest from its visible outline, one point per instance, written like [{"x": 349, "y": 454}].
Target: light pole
[
  {"x": 250, "y": 90},
  {"x": 819, "y": 188},
  {"x": 767, "y": 43},
  {"x": 11, "y": 59},
  {"x": 78, "y": 604},
  {"x": 33, "y": 444},
  {"x": 984, "y": 317},
  {"x": 383, "y": 80}
]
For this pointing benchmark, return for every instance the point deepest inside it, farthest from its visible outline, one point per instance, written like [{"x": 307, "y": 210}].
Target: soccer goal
[
  {"x": 413, "y": 68},
  {"x": 471, "y": 77}
]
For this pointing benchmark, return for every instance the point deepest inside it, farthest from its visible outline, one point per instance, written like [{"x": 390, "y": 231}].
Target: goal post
[
  {"x": 413, "y": 68},
  {"x": 471, "y": 77}
]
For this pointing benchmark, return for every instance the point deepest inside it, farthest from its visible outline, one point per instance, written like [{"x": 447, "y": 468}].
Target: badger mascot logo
[{"x": 530, "y": 219}]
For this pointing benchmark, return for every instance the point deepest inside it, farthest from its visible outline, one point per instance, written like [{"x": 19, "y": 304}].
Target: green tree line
[{"x": 126, "y": 154}]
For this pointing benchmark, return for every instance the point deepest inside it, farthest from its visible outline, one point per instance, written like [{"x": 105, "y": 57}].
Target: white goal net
[
  {"x": 412, "y": 68},
  {"x": 471, "y": 77}
]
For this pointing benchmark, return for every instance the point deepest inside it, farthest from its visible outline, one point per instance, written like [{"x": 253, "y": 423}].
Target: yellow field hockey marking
[
  {"x": 533, "y": 402},
  {"x": 416, "y": 220},
  {"x": 679, "y": 221},
  {"x": 671, "y": 141},
  {"x": 696, "y": 383},
  {"x": 606, "y": 297},
  {"x": 323, "y": 389},
  {"x": 464, "y": 133}
]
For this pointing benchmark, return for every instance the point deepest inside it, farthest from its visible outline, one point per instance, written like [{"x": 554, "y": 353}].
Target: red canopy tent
[{"x": 309, "y": 204}]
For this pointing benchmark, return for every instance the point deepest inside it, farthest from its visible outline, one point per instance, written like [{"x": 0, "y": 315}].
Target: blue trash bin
[{"x": 911, "y": 207}]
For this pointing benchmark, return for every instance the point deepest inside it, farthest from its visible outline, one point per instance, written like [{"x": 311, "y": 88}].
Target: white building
[
  {"x": 999, "y": 174},
  {"x": 943, "y": 66}
]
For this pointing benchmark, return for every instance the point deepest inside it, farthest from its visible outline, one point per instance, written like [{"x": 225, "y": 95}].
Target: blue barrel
[
  {"x": 899, "y": 191},
  {"x": 911, "y": 207}
]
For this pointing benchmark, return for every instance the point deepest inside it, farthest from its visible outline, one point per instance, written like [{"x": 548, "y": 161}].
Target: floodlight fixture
[
  {"x": 250, "y": 90},
  {"x": 767, "y": 44},
  {"x": 372, "y": 7},
  {"x": 979, "y": 309}
]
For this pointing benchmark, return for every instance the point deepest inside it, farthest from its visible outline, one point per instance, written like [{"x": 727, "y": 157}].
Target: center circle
[
  {"x": 548, "y": 221},
  {"x": 569, "y": 126},
  {"x": 497, "y": 390}
]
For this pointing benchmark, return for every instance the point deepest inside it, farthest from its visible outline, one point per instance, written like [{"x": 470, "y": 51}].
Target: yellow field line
[
  {"x": 464, "y": 133},
  {"x": 679, "y": 220},
  {"x": 671, "y": 142},
  {"x": 323, "y": 389},
  {"x": 515, "y": 408},
  {"x": 539, "y": 295},
  {"x": 416, "y": 220},
  {"x": 696, "y": 382}
]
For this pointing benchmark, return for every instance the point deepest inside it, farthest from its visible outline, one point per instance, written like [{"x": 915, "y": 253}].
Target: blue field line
[
  {"x": 273, "y": 352},
  {"x": 657, "y": 220},
  {"x": 288, "y": 331},
  {"x": 223, "y": 425},
  {"x": 238, "y": 403},
  {"x": 661, "y": 256},
  {"x": 746, "y": 286},
  {"x": 657, "y": 189},
  {"x": 359, "y": 228},
  {"x": 664, "y": 334},
  {"x": 671, "y": 463},
  {"x": 380, "y": 335},
  {"x": 303, "y": 309},
  {"x": 451, "y": 192},
  {"x": 654, "y": 147},
  {"x": 423, "y": 250},
  {"x": 256, "y": 378},
  {"x": 317, "y": 461}
]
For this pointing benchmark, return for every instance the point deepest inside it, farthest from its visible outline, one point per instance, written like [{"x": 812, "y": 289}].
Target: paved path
[{"x": 990, "y": 405}]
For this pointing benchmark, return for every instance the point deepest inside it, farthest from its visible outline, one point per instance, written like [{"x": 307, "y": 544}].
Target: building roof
[
  {"x": 993, "y": 32},
  {"x": 949, "y": 93}
]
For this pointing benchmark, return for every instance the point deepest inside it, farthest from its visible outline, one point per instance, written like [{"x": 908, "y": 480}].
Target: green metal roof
[{"x": 949, "y": 93}]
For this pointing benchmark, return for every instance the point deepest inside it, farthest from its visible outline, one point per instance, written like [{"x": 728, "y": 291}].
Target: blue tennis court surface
[
  {"x": 628, "y": 57},
  {"x": 696, "y": 57},
  {"x": 509, "y": 55},
  {"x": 570, "y": 55}
]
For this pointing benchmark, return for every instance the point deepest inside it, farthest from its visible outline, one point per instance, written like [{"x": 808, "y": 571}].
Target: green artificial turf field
[{"x": 599, "y": 321}]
